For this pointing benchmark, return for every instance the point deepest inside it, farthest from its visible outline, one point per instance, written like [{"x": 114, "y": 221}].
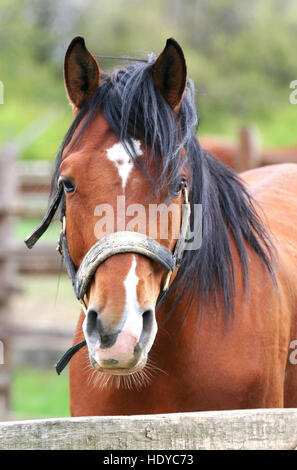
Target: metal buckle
[
  {"x": 83, "y": 306},
  {"x": 167, "y": 280},
  {"x": 64, "y": 225},
  {"x": 178, "y": 261},
  {"x": 185, "y": 193},
  {"x": 63, "y": 232},
  {"x": 59, "y": 248}
]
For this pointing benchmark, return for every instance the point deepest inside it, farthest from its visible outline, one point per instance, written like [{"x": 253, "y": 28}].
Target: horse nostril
[
  {"x": 97, "y": 332},
  {"x": 91, "y": 324},
  {"x": 148, "y": 319},
  {"x": 106, "y": 341}
]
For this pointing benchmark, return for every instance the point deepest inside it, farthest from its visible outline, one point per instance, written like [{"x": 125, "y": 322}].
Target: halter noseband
[{"x": 110, "y": 245}]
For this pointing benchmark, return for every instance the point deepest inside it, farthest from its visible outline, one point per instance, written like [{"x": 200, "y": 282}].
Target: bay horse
[
  {"x": 209, "y": 329},
  {"x": 231, "y": 155}
]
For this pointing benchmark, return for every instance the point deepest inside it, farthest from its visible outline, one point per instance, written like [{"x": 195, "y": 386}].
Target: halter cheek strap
[
  {"x": 110, "y": 245},
  {"x": 39, "y": 231}
]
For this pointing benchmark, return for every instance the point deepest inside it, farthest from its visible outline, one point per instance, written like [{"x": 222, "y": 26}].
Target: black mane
[{"x": 134, "y": 108}]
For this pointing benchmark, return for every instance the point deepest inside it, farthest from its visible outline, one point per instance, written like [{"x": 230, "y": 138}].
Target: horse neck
[{"x": 231, "y": 232}]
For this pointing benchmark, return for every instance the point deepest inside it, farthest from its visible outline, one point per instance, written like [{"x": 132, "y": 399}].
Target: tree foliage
[{"x": 241, "y": 54}]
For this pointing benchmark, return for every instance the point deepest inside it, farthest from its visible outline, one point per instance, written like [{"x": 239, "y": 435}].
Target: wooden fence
[
  {"x": 34, "y": 187},
  {"x": 8, "y": 190},
  {"x": 234, "y": 430}
]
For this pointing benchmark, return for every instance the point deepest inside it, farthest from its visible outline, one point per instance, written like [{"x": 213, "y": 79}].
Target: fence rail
[
  {"x": 43, "y": 259},
  {"x": 243, "y": 429}
]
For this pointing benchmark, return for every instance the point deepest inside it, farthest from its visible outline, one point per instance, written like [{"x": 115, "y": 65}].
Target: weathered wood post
[
  {"x": 248, "y": 155},
  {"x": 8, "y": 191}
]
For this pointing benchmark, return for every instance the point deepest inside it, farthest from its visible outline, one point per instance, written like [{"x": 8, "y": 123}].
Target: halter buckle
[
  {"x": 58, "y": 247},
  {"x": 167, "y": 280},
  {"x": 63, "y": 232},
  {"x": 83, "y": 306},
  {"x": 64, "y": 225},
  {"x": 185, "y": 193}
]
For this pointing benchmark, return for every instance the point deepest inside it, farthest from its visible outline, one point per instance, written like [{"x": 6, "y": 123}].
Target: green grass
[{"x": 38, "y": 393}]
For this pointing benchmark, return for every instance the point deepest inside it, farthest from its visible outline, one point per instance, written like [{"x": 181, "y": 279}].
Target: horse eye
[
  {"x": 68, "y": 184},
  {"x": 175, "y": 188}
]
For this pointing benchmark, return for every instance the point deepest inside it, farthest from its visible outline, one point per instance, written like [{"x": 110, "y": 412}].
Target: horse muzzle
[{"x": 122, "y": 350}]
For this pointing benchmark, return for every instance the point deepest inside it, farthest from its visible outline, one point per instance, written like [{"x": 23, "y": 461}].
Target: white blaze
[
  {"x": 122, "y": 160},
  {"x": 123, "y": 349},
  {"x": 130, "y": 283}
]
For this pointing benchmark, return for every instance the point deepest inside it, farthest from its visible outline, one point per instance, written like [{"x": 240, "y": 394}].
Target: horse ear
[
  {"x": 81, "y": 73},
  {"x": 170, "y": 73}
]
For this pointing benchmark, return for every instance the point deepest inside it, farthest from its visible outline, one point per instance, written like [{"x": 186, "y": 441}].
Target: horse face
[{"x": 101, "y": 181}]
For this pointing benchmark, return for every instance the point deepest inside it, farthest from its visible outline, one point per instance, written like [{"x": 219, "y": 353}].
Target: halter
[{"x": 110, "y": 245}]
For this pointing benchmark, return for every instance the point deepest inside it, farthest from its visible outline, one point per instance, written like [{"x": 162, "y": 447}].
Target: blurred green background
[{"x": 241, "y": 55}]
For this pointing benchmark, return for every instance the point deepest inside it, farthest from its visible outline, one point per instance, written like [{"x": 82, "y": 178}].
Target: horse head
[{"x": 104, "y": 173}]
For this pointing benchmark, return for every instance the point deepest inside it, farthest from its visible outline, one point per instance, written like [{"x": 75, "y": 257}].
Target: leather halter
[{"x": 110, "y": 245}]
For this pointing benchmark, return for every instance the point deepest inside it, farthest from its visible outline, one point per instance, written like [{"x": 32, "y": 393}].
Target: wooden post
[
  {"x": 8, "y": 191},
  {"x": 248, "y": 155}
]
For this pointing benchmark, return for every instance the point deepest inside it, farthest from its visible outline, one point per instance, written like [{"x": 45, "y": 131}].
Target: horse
[
  {"x": 279, "y": 155},
  {"x": 248, "y": 157},
  {"x": 221, "y": 149},
  {"x": 184, "y": 322},
  {"x": 245, "y": 155}
]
